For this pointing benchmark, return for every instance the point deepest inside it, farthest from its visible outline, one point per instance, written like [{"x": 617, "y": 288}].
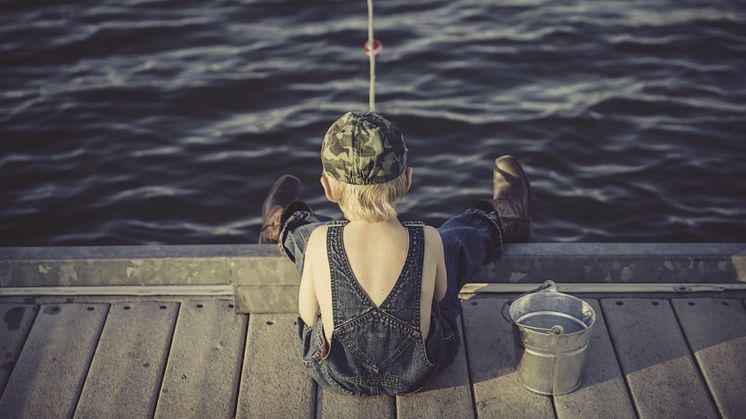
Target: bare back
[{"x": 376, "y": 253}]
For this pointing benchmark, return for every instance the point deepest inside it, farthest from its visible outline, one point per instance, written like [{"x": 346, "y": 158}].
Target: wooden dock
[{"x": 178, "y": 357}]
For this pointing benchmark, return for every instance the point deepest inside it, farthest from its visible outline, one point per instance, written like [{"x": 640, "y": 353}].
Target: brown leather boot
[
  {"x": 285, "y": 190},
  {"x": 511, "y": 195}
]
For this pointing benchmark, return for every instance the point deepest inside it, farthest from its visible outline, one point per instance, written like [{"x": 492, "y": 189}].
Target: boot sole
[
  {"x": 525, "y": 178},
  {"x": 276, "y": 186}
]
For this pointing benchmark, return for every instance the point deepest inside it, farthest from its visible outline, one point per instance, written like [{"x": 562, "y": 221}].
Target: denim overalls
[{"x": 380, "y": 350}]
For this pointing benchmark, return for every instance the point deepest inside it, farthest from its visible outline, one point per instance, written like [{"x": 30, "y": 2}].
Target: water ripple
[{"x": 142, "y": 122}]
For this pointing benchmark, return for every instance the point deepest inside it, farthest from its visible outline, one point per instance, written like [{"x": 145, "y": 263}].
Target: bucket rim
[{"x": 542, "y": 330}]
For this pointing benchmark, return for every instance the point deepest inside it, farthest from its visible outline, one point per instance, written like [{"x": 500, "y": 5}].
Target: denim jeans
[{"x": 470, "y": 240}]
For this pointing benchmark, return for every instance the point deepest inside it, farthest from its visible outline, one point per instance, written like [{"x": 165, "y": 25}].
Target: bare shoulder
[
  {"x": 317, "y": 240},
  {"x": 318, "y": 234},
  {"x": 432, "y": 234},
  {"x": 433, "y": 241}
]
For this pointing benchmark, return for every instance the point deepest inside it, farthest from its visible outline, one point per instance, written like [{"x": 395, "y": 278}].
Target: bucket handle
[{"x": 547, "y": 285}]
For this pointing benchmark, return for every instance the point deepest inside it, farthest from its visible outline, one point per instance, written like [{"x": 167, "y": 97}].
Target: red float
[{"x": 377, "y": 47}]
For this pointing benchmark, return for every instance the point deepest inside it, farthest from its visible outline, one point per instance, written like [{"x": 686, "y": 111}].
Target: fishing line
[{"x": 372, "y": 48}]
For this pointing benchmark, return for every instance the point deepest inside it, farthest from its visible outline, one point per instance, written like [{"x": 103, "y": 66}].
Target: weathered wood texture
[
  {"x": 660, "y": 371},
  {"x": 49, "y": 374},
  {"x": 602, "y": 392},
  {"x": 121, "y": 290},
  {"x": 273, "y": 383},
  {"x": 489, "y": 344},
  {"x": 263, "y": 264},
  {"x": 267, "y": 298},
  {"x": 72, "y": 360},
  {"x": 204, "y": 366},
  {"x": 126, "y": 371},
  {"x": 334, "y": 405},
  {"x": 17, "y": 321},
  {"x": 447, "y": 395},
  {"x": 716, "y": 331}
]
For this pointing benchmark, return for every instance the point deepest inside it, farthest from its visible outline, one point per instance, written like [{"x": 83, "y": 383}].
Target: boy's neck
[{"x": 394, "y": 222}]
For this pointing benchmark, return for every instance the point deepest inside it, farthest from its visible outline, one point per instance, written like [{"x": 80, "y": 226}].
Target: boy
[{"x": 378, "y": 298}]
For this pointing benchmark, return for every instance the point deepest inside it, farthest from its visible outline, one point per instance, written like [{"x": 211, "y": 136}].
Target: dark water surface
[{"x": 128, "y": 122}]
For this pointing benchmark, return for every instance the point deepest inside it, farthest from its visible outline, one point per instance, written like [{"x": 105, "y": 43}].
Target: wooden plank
[
  {"x": 17, "y": 321},
  {"x": 204, "y": 366},
  {"x": 447, "y": 395},
  {"x": 51, "y": 369},
  {"x": 126, "y": 371},
  {"x": 273, "y": 382},
  {"x": 608, "y": 287},
  {"x": 492, "y": 361},
  {"x": 602, "y": 392},
  {"x": 335, "y": 405},
  {"x": 132, "y": 290},
  {"x": 716, "y": 331},
  {"x": 656, "y": 361}
]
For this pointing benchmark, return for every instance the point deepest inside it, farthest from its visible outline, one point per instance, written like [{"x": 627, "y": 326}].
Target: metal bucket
[{"x": 551, "y": 331}]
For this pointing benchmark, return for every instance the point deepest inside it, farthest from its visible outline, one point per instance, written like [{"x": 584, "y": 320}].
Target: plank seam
[
  {"x": 128, "y": 290},
  {"x": 684, "y": 288},
  {"x": 314, "y": 397},
  {"x": 468, "y": 367},
  {"x": 554, "y": 406},
  {"x": 165, "y": 364},
  {"x": 234, "y": 398},
  {"x": 616, "y": 356},
  {"x": 90, "y": 360},
  {"x": 318, "y": 414},
  {"x": 696, "y": 361},
  {"x": 2, "y": 390},
  {"x": 243, "y": 363}
]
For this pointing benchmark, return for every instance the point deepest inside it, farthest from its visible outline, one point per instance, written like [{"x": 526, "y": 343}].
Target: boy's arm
[
  {"x": 441, "y": 278},
  {"x": 308, "y": 304}
]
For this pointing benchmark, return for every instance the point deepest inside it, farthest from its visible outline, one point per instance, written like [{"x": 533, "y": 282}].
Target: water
[{"x": 130, "y": 122}]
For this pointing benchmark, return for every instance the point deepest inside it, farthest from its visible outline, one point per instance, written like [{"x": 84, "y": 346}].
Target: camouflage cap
[{"x": 363, "y": 149}]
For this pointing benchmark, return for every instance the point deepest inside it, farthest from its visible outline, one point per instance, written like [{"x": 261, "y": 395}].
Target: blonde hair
[{"x": 370, "y": 203}]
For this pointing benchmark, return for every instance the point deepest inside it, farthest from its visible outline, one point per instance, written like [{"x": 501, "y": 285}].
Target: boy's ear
[
  {"x": 327, "y": 189},
  {"x": 409, "y": 171}
]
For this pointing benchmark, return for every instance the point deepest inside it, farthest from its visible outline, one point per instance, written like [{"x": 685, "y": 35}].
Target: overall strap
[
  {"x": 403, "y": 302},
  {"x": 348, "y": 299}
]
